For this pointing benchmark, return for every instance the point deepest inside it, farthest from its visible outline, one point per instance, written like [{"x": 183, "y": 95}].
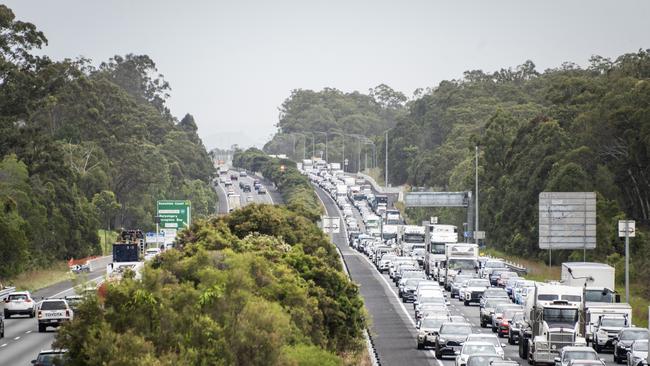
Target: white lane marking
[
  {"x": 72, "y": 288},
  {"x": 401, "y": 304},
  {"x": 3, "y": 345},
  {"x": 27, "y": 332},
  {"x": 17, "y": 338}
]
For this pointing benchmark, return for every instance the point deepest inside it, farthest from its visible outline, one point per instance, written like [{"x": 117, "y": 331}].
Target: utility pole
[
  {"x": 386, "y": 168},
  {"x": 627, "y": 261},
  {"x": 476, "y": 180}
]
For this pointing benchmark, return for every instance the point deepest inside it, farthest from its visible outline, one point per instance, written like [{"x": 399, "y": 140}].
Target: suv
[
  {"x": 20, "y": 302},
  {"x": 450, "y": 338},
  {"x": 493, "y": 292},
  {"x": 50, "y": 357},
  {"x": 428, "y": 329},
  {"x": 573, "y": 353},
  {"x": 606, "y": 330},
  {"x": 624, "y": 339},
  {"x": 474, "y": 290},
  {"x": 638, "y": 353},
  {"x": 53, "y": 313},
  {"x": 487, "y": 309}
]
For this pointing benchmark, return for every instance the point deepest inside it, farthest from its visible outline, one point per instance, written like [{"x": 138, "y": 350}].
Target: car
[
  {"x": 515, "y": 325},
  {"x": 606, "y": 330},
  {"x": 19, "y": 303},
  {"x": 428, "y": 328},
  {"x": 502, "y": 313},
  {"x": 228, "y": 183},
  {"x": 487, "y": 309},
  {"x": 234, "y": 177},
  {"x": 246, "y": 188},
  {"x": 493, "y": 292},
  {"x": 261, "y": 190},
  {"x": 50, "y": 357},
  {"x": 450, "y": 338},
  {"x": 638, "y": 352},
  {"x": 474, "y": 290},
  {"x": 427, "y": 310},
  {"x": 151, "y": 253},
  {"x": 53, "y": 313},
  {"x": 489, "y": 360},
  {"x": 250, "y": 199},
  {"x": 243, "y": 174},
  {"x": 474, "y": 348},
  {"x": 457, "y": 283},
  {"x": 489, "y": 338},
  {"x": 624, "y": 340},
  {"x": 570, "y": 353}
]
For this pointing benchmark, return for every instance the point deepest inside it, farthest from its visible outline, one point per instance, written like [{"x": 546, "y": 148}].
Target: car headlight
[{"x": 442, "y": 340}]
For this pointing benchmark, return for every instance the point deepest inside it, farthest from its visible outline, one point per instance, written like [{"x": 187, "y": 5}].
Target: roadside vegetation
[
  {"x": 295, "y": 188},
  {"x": 260, "y": 286},
  {"x": 84, "y": 147}
]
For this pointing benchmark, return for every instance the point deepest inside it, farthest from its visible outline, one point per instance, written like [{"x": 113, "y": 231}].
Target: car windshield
[
  {"x": 479, "y": 348},
  {"x": 48, "y": 359},
  {"x": 482, "y": 360},
  {"x": 634, "y": 334},
  {"x": 432, "y": 323},
  {"x": 432, "y": 299},
  {"x": 641, "y": 346},
  {"x": 53, "y": 305},
  {"x": 478, "y": 283},
  {"x": 494, "y": 302},
  {"x": 613, "y": 322},
  {"x": 18, "y": 297},
  {"x": 547, "y": 297},
  {"x": 580, "y": 355},
  {"x": 510, "y": 313},
  {"x": 456, "y": 329},
  {"x": 413, "y": 238},
  {"x": 487, "y": 339},
  {"x": 495, "y": 293}
]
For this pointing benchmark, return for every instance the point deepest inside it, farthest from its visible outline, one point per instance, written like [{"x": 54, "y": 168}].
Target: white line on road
[
  {"x": 17, "y": 338},
  {"x": 27, "y": 332},
  {"x": 3, "y": 345}
]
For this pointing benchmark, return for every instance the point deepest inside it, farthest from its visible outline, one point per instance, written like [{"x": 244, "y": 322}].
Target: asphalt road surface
[{"x": 22, "y": 341}]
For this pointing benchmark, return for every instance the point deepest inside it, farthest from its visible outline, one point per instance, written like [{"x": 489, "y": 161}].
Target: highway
[
  {"x": 22, "y": 341},
  {"x": 272, "y": 196}
]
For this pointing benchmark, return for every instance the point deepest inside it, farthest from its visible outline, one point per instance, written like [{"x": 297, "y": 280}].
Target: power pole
[
  {"x": 476, "y": 180},
  {"x": 386, "y": 168}
]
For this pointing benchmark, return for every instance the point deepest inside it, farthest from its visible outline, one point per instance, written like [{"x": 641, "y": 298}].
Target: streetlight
[
  {"x": 326, "y": 155},
  {"x": 369, "y": 142},
  {"x": 343, "y": 149},
  {"x": 386, "y": 158},
  {"x": 359, "y": 138}
]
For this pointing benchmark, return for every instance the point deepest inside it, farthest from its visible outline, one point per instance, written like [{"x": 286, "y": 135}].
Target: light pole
[
  {"x": 359, "y": 138},
  {"x": 476, "y": 180},
  {"x": 326, "y": 155},
  {"x": 386, "y": 158}
]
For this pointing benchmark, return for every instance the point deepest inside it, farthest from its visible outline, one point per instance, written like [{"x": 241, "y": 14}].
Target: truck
[
  {"x": 234, "y": 202},
  {"x": 459, "y": 258},
  {"x": 437, "y": 236},
  {"x": 389, "y": 232},
  {"x": 126, "y": 255},
  {"x": 551, "y": 322},
  {"x": 411, "y": 236},
  {"x": 597, "y": 281}
]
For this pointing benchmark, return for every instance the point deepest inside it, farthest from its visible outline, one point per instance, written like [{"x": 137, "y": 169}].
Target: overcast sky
[{"x": 232, "y": 63}]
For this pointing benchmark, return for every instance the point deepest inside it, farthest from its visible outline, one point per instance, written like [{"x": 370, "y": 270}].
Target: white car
[
  {"x": 151, "y": 253},
  {"x": 489, "y": 338},
  {"x": 474, "y": 348},
  {"x": 19, "y": 302}
]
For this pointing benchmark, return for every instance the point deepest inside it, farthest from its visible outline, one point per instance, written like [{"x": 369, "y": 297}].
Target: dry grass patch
[{"x": 41, "y": 278}]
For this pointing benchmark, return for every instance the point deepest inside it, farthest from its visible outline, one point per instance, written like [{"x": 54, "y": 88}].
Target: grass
[
  {"x": 40, "y": 278},
  {"x": 539, "y": 271},
  {"x": 107, "y": 245},
  {"x": 375, "y": 173}
]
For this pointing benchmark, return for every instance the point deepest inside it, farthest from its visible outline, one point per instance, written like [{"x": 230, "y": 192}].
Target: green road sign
[{"x": 174, "y": 214}]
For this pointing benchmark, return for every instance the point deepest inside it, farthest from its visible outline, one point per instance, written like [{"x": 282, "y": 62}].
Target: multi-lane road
[
  {"x": 22, "y": 341},
  {"x": 272, "y": 196}
]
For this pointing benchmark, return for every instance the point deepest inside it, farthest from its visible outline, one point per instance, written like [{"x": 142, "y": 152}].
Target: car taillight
[
  {"x": 40, "y": 314},
  {"x": 28, "y": 300},
  {"x": 505, "y": 323}
]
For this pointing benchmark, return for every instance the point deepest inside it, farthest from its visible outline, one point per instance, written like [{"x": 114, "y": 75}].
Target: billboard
[{"x": 567, "y": 220}]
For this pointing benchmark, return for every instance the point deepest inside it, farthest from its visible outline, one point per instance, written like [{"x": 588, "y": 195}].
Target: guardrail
[
  {"x": 6, "y": 291},
  {"x": 515, "y": 267}
]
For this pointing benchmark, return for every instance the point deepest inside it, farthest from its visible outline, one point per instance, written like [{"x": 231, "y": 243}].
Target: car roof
[
  {"x": 477, "y": 343},
  {"x": 19, "y": 293},
  {"x": 63, "y": 350},
  {"x": 577, "y": 348},
  {"x": 482, "y": 335}
]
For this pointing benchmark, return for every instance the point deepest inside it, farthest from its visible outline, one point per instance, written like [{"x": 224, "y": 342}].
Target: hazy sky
[{"x": 232, "y": 63}]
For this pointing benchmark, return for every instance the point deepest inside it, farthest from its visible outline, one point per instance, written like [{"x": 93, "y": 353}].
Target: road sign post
[{"x": 626, "y": 229}]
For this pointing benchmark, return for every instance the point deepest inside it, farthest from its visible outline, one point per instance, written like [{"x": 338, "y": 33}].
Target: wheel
[
  {"x": 32, "y": 314},
  {"x": 438, "y": 355},
  {"x": 523, "y": 348},
  {"x": 494, "y": 329},
  {"x": 483, "y": 324},
  {"x": 596, "y": 346},
  {"x": 7, "y": 315},
  {"x": 616, "y": 360},
  {"x": 466, "y": 303},
  {"x": 510, "y": 340},
  {"x": 403, "y": 299},
  {"x": 41, "y": 328},
  {"x": 420, "y": 345}
]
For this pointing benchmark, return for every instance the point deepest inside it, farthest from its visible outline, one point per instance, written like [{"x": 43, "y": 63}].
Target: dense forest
[
  {"x": 85, "y": 147},
  {"x": 260, "y": 286},
  {"x": 569, "y": 128}
]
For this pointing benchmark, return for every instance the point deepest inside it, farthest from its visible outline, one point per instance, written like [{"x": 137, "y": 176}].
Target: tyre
[
  {"x": 510, "y": 340},
  {"x": 41, "y": 328},
  {"x": 483, "y": 324},
  {"x": 438, "y": 355},
  {"x": 616, "y": 360},
  {"x": 32, "y": 314},
  {"x": 466, "y": 303},
  {"x": 596, "y": 347},
  {"x": 523, "y": 348},
  {"x": 420, "y": 345},
  {"x": 494, "y": 329},
  {"x": 7, "y": 315}
]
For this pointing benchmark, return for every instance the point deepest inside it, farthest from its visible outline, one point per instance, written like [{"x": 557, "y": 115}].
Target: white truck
[
  {"x": 410, "y": 237},
  {"x": 234, "y": 202},
  {"x": 389, "y": 232},
  {"x": 597, "y": 281},
  {"x": 551, "y": 322},
  {"x": 459, "y": 258},
  {"x": 437, "y": 236}
]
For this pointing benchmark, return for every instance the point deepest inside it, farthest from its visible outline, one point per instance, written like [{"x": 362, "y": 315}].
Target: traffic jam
[{"x": 476, "y": 310}]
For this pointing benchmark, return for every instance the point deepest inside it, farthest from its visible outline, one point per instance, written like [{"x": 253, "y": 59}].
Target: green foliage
[
  {"x": 261, "y": 286},
  {"x": 69, "y": 132}
]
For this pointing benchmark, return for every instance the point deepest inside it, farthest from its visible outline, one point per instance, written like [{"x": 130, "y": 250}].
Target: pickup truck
[{"x": 53, "y": 313}]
